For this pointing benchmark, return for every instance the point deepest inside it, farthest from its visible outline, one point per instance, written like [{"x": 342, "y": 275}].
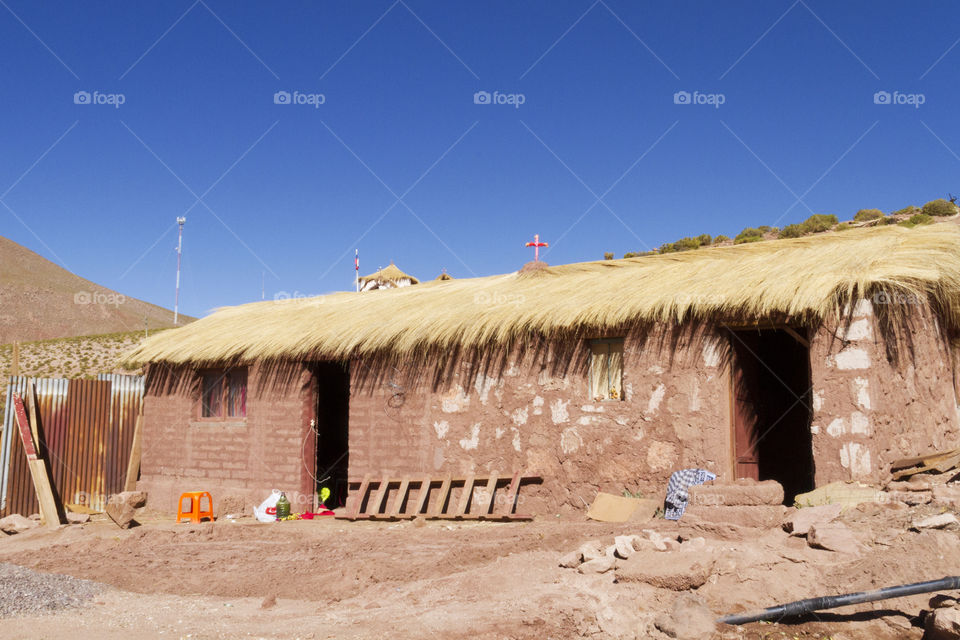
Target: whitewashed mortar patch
[
  {"x": 856, "y": 457},
  {"x": 861, "y": 387},
  {"x": 837, "y": 428},
  {"x": 859, "y": 424},
  {"x": 559, "y": 412},
  {"x": 474, "y": 439},
  {"x": 656, "y": 398},
  {"x": 570, "y": 440},
  {"x": 852, "y": 359},
  {"x": 520, "y": 416},
  {"x": 537, "y": 405}
]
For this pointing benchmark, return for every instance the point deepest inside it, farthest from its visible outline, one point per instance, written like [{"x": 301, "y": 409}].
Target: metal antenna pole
[{"x": 176, "y": 302}]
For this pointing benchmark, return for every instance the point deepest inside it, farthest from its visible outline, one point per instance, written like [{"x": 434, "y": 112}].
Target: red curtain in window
[
  {"x": 212, "y": 395},
  {"x": 237, "y": 394}
]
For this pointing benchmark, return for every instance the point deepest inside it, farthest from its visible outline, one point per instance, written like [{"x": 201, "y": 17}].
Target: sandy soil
[{"x": 335, "y": 579}]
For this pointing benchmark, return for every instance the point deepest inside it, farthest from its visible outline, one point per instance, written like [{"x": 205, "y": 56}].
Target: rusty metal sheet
[{"x": 87, "y": 432}]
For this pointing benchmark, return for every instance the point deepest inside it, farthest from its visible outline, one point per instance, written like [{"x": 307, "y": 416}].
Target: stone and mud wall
[
  {"x": 533, "y": 413},
  {"x": 875, "y": 400}
]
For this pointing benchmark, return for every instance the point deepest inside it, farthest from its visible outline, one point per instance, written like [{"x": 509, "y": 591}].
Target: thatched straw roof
[
  {"x": 389, "y": 275},
  {"x": 805, "y": 279},
  {"x": 444, "y": 277}
]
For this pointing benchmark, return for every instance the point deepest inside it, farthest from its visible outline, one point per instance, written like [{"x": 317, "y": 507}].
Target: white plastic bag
[{"x": 267, "y": 511}]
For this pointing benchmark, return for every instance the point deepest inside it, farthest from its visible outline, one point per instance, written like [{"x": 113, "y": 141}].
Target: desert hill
[{"x": 40, "y": 300}]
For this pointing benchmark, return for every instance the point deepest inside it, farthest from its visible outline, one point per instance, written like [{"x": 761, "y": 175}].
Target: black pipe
[{"x": 832, "y": 602}]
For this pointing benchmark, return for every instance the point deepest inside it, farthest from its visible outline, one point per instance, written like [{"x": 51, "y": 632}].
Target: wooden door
[{"x": 746, "y": 419}]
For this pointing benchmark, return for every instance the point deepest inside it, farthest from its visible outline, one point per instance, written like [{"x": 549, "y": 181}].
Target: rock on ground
[
  {"x": 947, "y": 495},
  {"x": 571, "y": 560},
  {"x": 77, "y": 518},
  {"x": 799, "y": 522},
  {"x": 938, "y": 521},
  {"x": 654, "y": 540},
  {"x": 624, "y": 546},
  {"x": 24, "y": 591},
  {"x": 689, "y": 620},
  {"x": 833, "y": 536},
  {"x": 666, "y": 570},
  {"x": 121, "y": 507},
  {"x": 943, "y": 624},
  {"x": 592, "y": 550},
  {"x": 16, "y": 523},
  {"x": 598, "y": 565},
  {"x": 942, "y": 600}
]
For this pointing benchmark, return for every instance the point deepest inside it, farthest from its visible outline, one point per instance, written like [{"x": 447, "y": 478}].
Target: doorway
[
  {"x": 771, "y": 398},
  {"x": 333, "y": 420}
]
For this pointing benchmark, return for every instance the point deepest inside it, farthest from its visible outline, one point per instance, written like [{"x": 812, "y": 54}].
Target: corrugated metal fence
[{"x": 88, "y": 428}]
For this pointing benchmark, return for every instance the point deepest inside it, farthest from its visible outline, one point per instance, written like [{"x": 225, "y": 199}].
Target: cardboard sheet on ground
[{"x": 608, "y": 507}]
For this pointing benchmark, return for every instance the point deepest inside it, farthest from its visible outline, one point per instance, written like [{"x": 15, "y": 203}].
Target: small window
[
  {"x": 606, "y": 369},
  {"x": 223, "y": 394}
]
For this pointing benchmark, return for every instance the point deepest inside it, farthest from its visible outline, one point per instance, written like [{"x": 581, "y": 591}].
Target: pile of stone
[
  {"x": 595, "y": 557},
  {"x": 24, "y": 591},
  {"x": 818, "y": 526},
  {"x": 648, "y": 557},
  {"x": 121, "y": 508},
  {"x": 925, "y": 489}
]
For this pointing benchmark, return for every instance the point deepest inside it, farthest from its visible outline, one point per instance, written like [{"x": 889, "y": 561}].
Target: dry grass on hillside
[{"x": 80, "y": 357}]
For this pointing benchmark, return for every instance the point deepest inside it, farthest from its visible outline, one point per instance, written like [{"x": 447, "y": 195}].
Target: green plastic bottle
[{"x": 283, "y": 507}]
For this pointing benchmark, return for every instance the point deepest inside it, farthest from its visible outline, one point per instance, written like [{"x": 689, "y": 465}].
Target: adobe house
[{"x": 806, "y": 361}]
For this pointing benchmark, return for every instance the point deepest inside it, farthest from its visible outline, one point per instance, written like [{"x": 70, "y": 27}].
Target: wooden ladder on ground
[{"x": 371, "y": 500}]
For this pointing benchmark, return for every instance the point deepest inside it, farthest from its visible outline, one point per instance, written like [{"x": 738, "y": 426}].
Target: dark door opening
[
  {"x": 772, "y": 409},
  {"x": 333, "y": 418}
]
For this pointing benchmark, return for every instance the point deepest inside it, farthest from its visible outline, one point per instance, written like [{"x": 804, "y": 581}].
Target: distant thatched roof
[
  {"x": 389, "y": 275},
  {"x": 804, "y": 278},
  {"x": 443, "y": 277}
]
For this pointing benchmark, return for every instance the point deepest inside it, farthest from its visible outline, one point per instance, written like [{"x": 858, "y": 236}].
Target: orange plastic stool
[{"x": 194, "y": 512}]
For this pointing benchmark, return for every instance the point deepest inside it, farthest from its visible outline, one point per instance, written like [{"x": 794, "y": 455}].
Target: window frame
[
  {"x": 224, "y": 378},
  {"x": 608, "y": 341}
]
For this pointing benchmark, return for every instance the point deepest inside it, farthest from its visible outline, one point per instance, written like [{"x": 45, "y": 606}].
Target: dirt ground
[{"x": 435, "y": 579}]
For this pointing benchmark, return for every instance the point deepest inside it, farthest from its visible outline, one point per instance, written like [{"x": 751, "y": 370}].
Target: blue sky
[{"x": 401, "y": 161}]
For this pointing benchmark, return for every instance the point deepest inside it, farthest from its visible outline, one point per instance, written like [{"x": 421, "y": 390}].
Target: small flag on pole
[{"x": 356, "y": 268}]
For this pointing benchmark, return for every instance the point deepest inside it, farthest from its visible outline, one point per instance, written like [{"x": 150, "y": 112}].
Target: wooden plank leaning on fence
[
  {"x": 30, "y": 437},
  {"x": 133, "y": 466}
]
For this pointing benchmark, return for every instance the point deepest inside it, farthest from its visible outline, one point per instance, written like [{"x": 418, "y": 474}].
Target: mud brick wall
[
  {"x": 537, "y": 417},
  {"x": 239, "y": 460},
  {"x": 869, "y": 408}
]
